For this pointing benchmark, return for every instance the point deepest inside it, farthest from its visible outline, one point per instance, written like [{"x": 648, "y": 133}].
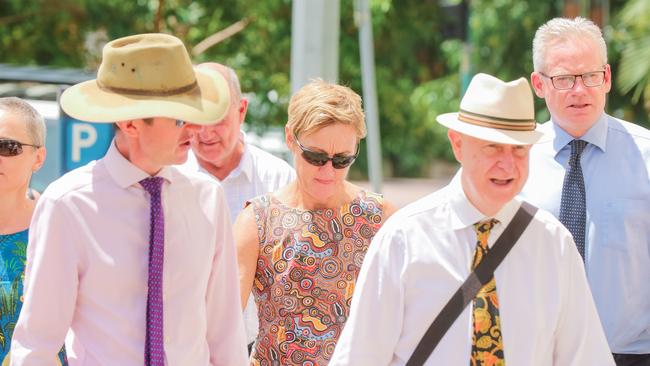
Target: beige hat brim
[
  {"x": 206, "y": 104},
  {"x": 450, "y": 120}
]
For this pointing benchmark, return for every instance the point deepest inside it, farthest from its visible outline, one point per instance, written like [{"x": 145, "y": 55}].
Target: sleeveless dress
[
  {"x": 308, "y": 264},
  {"x": 13, "y": 250}
]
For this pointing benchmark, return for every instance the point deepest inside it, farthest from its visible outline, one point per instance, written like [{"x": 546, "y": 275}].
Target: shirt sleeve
[
  {"x": 226, "y": 338},
  {"x": 50, "y": 286},
  {"x": 371, "y": 332},
  {"x": 580, "y": 339}
]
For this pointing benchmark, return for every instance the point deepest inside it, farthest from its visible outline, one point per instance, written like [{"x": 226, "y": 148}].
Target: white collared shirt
[
  {"x": 421, "y": 257},
  {"x": 258, "y": 173},
  {"x": 87, "y": 270}
]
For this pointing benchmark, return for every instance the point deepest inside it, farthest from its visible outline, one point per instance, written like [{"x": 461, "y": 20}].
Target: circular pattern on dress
[
  {"x": 356, "y": 210},
  {"x": 275, "y": 212},
  {"x": 310, "y": 261},
  {"x": 338, "y": 237},
  {"x": 290, "y": 303},
  {"x": 341, "y": 284},
  {"x": 348, "y": 219},
  {"x": 278, "y": 231},
  {"x": 280, "y": 265},
  {"x": 324, "y": 236},
  {"x": 296, "y": 274},
  {"x": 306, "y": 216},
  {"x": 288, "y": 254},
  {"x": 347, "y": 232},
  {"x": 306, "y": 283},
  {"x": 328, "y": 213},
  {"x": 289, "y": 220},
  {"x": 297, "y": 356},
  {"x": 330, "y": 267},
  {"x": 328, "y": 348},
  {"x": 366, "y": 231},
  {"x": 308, "y": 301}
]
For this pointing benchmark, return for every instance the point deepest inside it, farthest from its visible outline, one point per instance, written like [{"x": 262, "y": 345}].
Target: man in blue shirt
[{"x": 594, "y": 177}]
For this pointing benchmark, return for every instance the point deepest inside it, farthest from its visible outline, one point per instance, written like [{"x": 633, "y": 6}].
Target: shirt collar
[
  {"x": 464, "y": 214},
  {"x": 596, "y": 135},
  {"x": 125, "y": 173}
]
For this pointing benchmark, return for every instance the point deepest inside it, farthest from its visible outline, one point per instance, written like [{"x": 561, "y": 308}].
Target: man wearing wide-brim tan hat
[
  {"x": 535, "y": 308},
  {"x": 130, "y": 258}
]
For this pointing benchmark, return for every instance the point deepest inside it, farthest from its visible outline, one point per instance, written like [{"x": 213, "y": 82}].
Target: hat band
[
  {"x": 154, "y": 93},
  {"x": 496, "y": 122}
]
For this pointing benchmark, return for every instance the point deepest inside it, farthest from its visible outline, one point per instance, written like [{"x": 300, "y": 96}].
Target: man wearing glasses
[{"x": 594, "y": 177}]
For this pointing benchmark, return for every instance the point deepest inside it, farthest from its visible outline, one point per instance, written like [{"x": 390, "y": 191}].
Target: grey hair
[
  {"x": 30, "y": 116},
  {"x": 564, "y": 29}
]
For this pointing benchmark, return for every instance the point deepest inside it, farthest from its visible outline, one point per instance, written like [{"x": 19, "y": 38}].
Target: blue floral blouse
[{"x": 13, "y": 251}]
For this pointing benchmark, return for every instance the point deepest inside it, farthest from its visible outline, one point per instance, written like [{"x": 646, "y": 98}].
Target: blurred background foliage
[{"x": 418, "y": 70}]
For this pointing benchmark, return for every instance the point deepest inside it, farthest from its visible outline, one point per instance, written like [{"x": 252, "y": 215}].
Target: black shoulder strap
[{"x": 477, "y": 279}]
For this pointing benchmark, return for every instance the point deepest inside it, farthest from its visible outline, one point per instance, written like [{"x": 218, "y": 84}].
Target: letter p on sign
[{"x": 83, "y": 136}]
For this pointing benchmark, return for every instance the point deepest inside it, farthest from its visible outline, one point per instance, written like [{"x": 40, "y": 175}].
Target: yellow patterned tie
[{"x": 487, "y": 342}]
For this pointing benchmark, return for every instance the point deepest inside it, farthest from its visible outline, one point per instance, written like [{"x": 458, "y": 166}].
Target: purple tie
[{"x": 154, "y": 351}]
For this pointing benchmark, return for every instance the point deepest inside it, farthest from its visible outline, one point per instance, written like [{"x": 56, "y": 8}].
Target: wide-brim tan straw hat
[
  {"x": 148, "y": 75},
  {"x": 497, "y": 111}
]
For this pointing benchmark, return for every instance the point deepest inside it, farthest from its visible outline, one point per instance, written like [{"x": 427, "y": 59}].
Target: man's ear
[
  {"x": 456, "y": 142},
  {"x": 130, "y": 128},
  {"x": 243, "y": 107},
  {"x": 537, "y": 83}
]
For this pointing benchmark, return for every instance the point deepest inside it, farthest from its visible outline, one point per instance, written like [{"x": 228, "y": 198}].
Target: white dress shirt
[
  {"x": 615, "y": 165},
  {"x": 87, "y": 270},
  {"x": 421, "y": 257},
  {"x": 258, "y": 173}
]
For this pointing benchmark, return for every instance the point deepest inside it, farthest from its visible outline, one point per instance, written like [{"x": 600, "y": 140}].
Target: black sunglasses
[
  {"x": 339, "y": 161},
  {"x": 9, "y": 147}
]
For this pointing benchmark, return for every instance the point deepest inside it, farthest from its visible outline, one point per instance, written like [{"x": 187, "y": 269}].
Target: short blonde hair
[
  {"x": 559, "y": 30},
  {"x": 320, "y": 104}
]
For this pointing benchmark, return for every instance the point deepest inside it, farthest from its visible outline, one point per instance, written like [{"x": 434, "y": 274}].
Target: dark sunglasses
[
  {"x": 9, "y": 147},
  {"x": 339, "y": 161}
]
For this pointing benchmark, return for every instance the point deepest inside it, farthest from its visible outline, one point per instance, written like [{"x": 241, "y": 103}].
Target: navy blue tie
[{"x": 573, "y": 207}]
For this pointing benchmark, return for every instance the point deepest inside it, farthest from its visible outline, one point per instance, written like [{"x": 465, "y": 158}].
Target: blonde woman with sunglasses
[
  {"x": 300, "y": 248},
  {"x": 22, "y": 152}
]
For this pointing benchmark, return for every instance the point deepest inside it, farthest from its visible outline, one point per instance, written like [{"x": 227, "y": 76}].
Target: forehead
[
  {"x": 12, "y": 126},
  {"x": 573, "y": 56}
]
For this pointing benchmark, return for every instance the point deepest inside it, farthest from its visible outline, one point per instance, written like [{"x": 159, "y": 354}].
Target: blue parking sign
[{"x": 84, "y": 142}]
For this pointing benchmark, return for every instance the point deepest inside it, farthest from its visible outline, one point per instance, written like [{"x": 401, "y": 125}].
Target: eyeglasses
[
  {"x": 589, "y": 79},
  {"x": 9, "y": 147},
  {"x": 180, "y": 123},
  {"x": 339, "y": 161}
]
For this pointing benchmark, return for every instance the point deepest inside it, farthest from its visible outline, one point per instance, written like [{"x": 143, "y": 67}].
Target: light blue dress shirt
[{"x": 616, "y": 165}]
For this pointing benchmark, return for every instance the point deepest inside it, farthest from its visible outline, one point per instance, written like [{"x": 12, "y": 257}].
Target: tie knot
[
  {"x": 577, "y": 146},
  {"x": 152, "y": 185},
  {"x": 485, "y": 226}
]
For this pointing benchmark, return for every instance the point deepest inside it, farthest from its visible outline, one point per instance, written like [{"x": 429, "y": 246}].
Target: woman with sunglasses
[
  {"x": 22, "y": 152},
  {"x": 300, "y": 248}
]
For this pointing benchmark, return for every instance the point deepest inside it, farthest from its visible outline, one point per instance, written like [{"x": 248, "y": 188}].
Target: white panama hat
[{"x": 497, "y": 111}]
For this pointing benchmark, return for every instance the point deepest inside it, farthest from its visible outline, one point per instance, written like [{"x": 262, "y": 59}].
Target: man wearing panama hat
[
  {"x": 534, "y": 309},
  {"x": 130, "y": 258}
]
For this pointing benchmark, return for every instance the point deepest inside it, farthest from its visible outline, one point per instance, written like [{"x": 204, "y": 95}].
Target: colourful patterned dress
[
  {"x": 13, "y": 250},
  {"x": 308, "y": 264}
]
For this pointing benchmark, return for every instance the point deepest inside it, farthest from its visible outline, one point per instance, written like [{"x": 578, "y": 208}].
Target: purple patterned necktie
[{"x": 154, "y": 352}]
